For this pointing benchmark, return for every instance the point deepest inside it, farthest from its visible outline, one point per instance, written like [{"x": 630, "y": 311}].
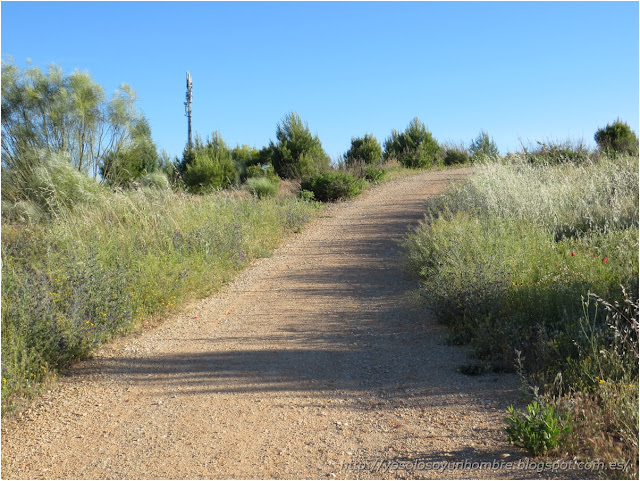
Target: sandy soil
[{"x": 311, "y": 364}]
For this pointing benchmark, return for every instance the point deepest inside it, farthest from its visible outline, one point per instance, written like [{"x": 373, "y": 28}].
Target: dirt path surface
[{"x": 311, "y": 364}]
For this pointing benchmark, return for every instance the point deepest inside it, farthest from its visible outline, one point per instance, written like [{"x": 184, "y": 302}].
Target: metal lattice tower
[{"x": 187, "y": 108}]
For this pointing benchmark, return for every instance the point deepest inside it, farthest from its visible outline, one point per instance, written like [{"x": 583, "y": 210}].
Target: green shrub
[
  {"x": 261, "y": 187},
  {"x": 296, "y": 153},
  {"x": 617, "y": 137},
  {"x": 374, "y": 174},
  {"x": 371, "y": 172},
  {"x": 365, "y": 149},
  {"x": 209, "y": 166},
  {"x": 455, "y": 157},
  {"x": 255, "y": 171},
  {"x": 330, "y": 186},
  {"x": 538, "y": 430},
  {"x": 263, "y": 170},
  {"x": 137, "y": 158},
  {"x": 245, "y": 157},
  {"x": 188, "y": 157},
  {"x": 483, "y": 147},
  {"x": 558, "y": 153},
  {"x": 306, "y": 195},
  {"x": 206, "y": 174},
  {"x": 415, "y": 147}
]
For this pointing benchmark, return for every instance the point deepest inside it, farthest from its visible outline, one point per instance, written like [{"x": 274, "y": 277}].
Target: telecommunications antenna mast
[{"x": 187, "y": 108}]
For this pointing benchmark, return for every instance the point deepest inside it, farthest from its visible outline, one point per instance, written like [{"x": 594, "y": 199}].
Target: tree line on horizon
[{"x": 63, "y": 126}]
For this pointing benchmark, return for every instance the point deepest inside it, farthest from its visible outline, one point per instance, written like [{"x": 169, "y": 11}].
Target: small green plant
[
  {"x": 261, "y": 187},
  {"x": 330, "y": 186},
  {"x": 617, "y": 137},
  {"x": 475, "y": 368},
  {"x": 374, "y": 174},
  {"x": 456, "y": 156},
  {"x": 538, "y": 430},
  {"x": 244, "y": 157},
  {"x": 140, "y": 156},
  {"x": 483, "y": 146},
  {"x": 208, "y": 166},
  {"x": 263, "y": 170},
  {"x": 306, "y": 195},
  {"x": 364, "y": 149},
  {"x": 414, "y": 148}
]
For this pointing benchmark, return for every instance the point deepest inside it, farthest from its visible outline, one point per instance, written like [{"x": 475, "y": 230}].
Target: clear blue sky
[{"x": 521, "y": 71}]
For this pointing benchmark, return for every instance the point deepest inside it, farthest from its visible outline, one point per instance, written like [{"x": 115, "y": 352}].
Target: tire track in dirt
[{"x": 309, "y": 364}]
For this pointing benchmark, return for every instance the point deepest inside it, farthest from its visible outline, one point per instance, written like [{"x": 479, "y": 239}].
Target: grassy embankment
[
  {"x": 538, "y": 264},
  {"x": 75, "y": 280}
]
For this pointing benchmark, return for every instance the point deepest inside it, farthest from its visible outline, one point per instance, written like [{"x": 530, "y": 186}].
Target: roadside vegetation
[
  {"x": 533, "y": 263},
  {"x": 75, "y": 280}
]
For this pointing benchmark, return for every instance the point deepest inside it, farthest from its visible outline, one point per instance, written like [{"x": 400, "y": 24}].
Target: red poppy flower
[
  {"x": 573, "y": 253},
  {"x": 605, "y": 260}
]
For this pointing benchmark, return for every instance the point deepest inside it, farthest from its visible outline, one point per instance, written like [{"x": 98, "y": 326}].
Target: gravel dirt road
[{"x": 311, "y": 364}]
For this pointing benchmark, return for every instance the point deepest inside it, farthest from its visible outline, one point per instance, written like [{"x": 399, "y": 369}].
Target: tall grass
[
  {"x": 566, "y": 199},
  {"x": 95, "y": 271},
  {"x": 42, "y": 184},
  {"x": 524, "y": 257},
  {"x": 262, "y": 187}
]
